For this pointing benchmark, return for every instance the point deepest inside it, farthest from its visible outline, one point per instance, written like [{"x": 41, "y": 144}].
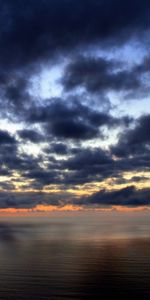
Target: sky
[{"x": 74, "y": 105}]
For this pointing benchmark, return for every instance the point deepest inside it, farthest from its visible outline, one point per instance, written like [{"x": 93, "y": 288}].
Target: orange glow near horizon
[{"x": 42, "y": 209}]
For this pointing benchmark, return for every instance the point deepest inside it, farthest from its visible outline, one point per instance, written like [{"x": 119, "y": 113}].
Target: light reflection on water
[{"x": 75, "y": 257}]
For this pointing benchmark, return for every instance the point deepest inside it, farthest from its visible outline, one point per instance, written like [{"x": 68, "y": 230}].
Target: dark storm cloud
[
  {"x": 30, "y": 135},
  {"x": 88, "y": 157},
  {"x": 43, "y": 177},
  {"x": 34, "y": 30},
  {"x": 6, "y": 138},
  {"x": 31, "y": 199},
  {"x": 16, "y": 91},
  {"x": 58, "y": 148},
  {"x": 134, "y": 141},
  {"x": 21, "y": 200},
  {"x": 95, "y": 165},
  {"x": 132, "y": 180},
  {"x": 128, "y": 196},
  {"x": 15, "y": 97},
  {"x": 8, "y": 153},
  {"x": 99, "y": 75},
  {"x": 70, "y": 119},
  {"x": 83, "y": 165},
  {"x": 89, "y": 165},
  {"x": 144, "y": 66},
  {"x": 12, "y": 160}
]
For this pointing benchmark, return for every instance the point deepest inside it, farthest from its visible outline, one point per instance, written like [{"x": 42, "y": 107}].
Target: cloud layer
[{"x": 82, "y": 138}]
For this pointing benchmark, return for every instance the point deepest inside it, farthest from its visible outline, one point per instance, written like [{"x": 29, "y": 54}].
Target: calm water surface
[{"x": 78, "y": 256}]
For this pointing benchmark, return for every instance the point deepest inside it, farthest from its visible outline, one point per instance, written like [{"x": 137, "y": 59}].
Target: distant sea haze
[{"x": 75, "y": 256}]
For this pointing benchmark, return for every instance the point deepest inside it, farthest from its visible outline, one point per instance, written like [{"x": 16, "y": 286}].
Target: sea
[{"x": 75, "y": 256}]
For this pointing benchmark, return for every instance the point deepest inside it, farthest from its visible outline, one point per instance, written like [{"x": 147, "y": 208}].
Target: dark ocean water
[{"x": 91, "y": 256}]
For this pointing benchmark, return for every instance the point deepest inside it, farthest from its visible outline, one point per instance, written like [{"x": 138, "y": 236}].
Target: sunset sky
[{"x": 74, "y": 105}]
